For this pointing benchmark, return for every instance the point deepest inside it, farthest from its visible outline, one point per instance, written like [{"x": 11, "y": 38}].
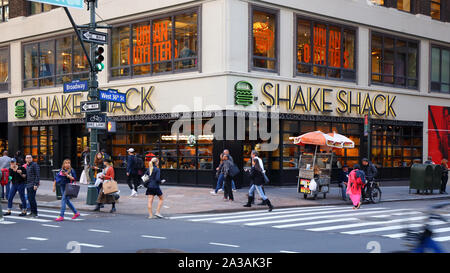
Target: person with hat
[
  {"x": 132, "y": 172},
  {"x": 17, "y": 176}
]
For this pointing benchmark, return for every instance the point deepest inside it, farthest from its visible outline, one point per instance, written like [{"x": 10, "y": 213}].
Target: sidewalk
[{"x": 181, "y": 200}]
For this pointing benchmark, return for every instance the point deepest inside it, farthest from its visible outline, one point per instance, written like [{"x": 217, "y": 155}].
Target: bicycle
[
  {"x": 371, "y": 192},
  {"x": 422, "y": 240}
]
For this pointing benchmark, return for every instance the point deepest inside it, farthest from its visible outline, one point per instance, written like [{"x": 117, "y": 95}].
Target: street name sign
[
  {"x": 64, "y": 3},
  {"x": 76, "y": 86},
  {"x": 96, "y": 121},
  {"x": 93, "y": 106},
  {"x": 91, "y": 36},
  {"x": 112, "y": 95}
]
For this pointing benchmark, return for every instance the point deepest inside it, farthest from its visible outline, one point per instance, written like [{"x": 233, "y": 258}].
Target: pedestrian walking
[
  {"x": 153, "y": 188},
  {"x": 132, "y": 172},
  {"x": 233, "y": 185},
  {"x": 354, "y": 186},
  {"x": 255, "y": 155},
  {"x": 98, "y": 167},
  {"x": 257, "y": 178},
  {"x": 226, "y": 171},
  {"x": 107, "y": 174},
  {"x": 32, "y": 185},
  {"x": 18, "y": 176},
  {"x": 444, "y": 178},
  {"x": 5, "y": 162},
  {"x": 65, "y": 176},
  {"x": 219, "y": 176}
]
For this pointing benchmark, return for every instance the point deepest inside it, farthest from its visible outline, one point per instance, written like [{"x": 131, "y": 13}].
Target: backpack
[{"x": 140, "y": 164}]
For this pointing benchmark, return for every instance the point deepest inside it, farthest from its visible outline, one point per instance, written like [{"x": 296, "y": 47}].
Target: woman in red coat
[
  {"x": 355, "y": 183},
  {"x": 108, "y": 174}
]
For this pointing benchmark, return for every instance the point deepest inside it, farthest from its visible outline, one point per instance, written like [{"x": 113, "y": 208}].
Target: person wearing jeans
[
  {"x": 257, "y": 179},
  {"x": 18, "y": 175},
  {"x": 33, "y": 178},
  {"x": 5, "y": 162},
  {"x": 64, "y": 177}
]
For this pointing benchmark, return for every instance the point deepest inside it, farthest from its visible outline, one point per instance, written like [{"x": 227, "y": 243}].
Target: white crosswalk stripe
[
  {"x": 379, "y": 221},
  {"x": 47, "y": 217}
]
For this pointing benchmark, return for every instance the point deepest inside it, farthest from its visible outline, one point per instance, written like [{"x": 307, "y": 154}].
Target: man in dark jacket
[
  {"x": 33, "y": 182},
  {"x": 132, "y": 172},
  {"x": 369, "y": 169}
]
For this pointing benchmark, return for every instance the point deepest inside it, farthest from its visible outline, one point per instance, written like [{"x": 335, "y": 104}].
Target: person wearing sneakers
[
  {"x": 132, "y": 172},
  {"x": 153, "y": 187},
  {"x": 65, "y": 175},
  {"x": 18, "y": 176},
  {"x": 257, "y": 177}
]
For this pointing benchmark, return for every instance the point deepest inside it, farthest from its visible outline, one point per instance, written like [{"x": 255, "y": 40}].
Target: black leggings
[
  {"x": 133, "y": 180},
  {"x": 227, "y": 191},
  {"x": 444, "y": 180}
]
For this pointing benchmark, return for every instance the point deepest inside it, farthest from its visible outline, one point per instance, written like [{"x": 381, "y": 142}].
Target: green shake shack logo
[
  {"x": 20, "y": 111},
  {"x": 243, "y": 93}
]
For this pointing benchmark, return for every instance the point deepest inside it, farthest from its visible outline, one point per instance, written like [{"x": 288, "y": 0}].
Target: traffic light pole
[{"x": 93, "y": 95}]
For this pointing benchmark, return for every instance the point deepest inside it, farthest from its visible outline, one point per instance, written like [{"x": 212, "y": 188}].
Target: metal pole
[{"x": 93, "y": 95}]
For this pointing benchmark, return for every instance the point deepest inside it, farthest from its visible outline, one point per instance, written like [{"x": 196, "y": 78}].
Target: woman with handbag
[
  {"x": 152, "y": 185},
  {"x": 226, "y": 170},
  {"x": 65, "y": 176},
  {"x": 257, "y": 178},
  {"x": 107, "y": 174}
]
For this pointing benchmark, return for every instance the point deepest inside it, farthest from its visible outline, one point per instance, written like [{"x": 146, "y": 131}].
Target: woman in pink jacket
[{"x": 356, "y": 180}]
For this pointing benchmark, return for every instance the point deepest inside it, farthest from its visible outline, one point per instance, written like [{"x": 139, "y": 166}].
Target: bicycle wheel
[{"x": 375, "y": 195}]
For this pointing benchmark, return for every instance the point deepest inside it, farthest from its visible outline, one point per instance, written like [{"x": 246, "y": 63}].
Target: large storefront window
[
  {"x": 38, "y": 141},
  {"x": 151, "y": 139},
  {"x": 394, "y": 61},
  {"x": 264, "y": 39},
  {"x": 53, "y": 62},
  {"x": 440, "y": 69},
  {"x": 4, "y": 69},
  {"x": 4, "y": 10},
  {"x": 396, "y": 146},
  {"x": 325, "y": 50},
  {"x": 160, "y": 45}
]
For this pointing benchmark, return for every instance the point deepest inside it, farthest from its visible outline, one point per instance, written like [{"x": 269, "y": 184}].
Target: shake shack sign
[{"x": 138, "y": 100}]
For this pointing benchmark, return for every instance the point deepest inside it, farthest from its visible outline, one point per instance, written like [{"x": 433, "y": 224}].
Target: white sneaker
[
  {"x": 220, "y": 190},
  {"x": 234, "y": 190},
  {"x": 213, "y": 193},
  {"x": 133, "y": 193},
  {"x": 159, "y": 216}
]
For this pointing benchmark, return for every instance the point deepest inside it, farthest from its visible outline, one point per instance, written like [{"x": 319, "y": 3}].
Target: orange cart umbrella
[{"x": 317, "y": 138}]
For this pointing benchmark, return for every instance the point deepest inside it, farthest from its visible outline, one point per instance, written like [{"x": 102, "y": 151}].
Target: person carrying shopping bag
[
  {"x": 257, "y": 178},
  {"x": 153, "y": 187},
  {"x": 355, "y": 184},
  {"x": 65, "y": 176},
  {"x": 107, "y": 174}
]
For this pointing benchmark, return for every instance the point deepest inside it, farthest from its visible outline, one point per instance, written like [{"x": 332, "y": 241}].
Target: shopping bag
[
  {"x": 110, "y": 186},
  {"x": 83, "y": 178},
  {"x": 72, "y": 190}
]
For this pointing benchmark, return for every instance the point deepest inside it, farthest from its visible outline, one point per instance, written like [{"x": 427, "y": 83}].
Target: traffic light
[{"x": 99, "y": 66}]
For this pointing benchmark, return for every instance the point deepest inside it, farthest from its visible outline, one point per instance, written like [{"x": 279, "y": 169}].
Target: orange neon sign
[{"x": 161, "y": 50}]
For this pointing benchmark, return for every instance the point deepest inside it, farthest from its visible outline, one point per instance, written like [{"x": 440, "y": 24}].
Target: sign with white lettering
[
  {"x": 91, "y": 36},
  {"x": 64, "y": 3},
  {"x": 75, "y": 86},
  {"x": 112, "y": 95}
]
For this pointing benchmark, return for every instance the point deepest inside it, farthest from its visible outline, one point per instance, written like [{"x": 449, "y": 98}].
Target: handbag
[
  {"x": 234, "y": 171},
  {"x": 72, "y": 190},
  {"x": 145, "y": 178},
  {"x": 110, "y": 186}
]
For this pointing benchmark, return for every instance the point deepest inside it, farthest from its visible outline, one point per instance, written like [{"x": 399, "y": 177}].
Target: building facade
[{"x": 237, "y": 74}]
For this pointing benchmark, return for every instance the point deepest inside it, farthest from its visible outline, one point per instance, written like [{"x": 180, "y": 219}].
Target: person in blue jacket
[{"x": 65, "y": 175}]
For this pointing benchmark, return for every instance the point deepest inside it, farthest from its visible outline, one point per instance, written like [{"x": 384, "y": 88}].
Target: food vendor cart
[{"x": 315, "y": 168}]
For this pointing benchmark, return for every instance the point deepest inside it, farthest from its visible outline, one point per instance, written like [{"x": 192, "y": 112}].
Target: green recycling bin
[
  {"x": 420, "y": 178},
  {"x": 58, "y": 189},
  {"x": 436, "y": 178}
]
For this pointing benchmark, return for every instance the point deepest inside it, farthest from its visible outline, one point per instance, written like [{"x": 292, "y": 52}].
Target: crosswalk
[
  {"x": 381, "y": 221},
  {"x": 45, "y": 216}
]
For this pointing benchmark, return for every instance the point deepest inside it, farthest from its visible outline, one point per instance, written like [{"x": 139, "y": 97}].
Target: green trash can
[
  {"x": 436, "y": 178},
  {"x": 420, "y": 178},
  {"x": 58, "y": 189}
]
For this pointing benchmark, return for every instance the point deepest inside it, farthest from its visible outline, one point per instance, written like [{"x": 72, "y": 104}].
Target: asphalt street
[{"x": 324, "y": 229}]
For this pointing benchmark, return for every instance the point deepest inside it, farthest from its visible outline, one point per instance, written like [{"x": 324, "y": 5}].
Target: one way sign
[
  {"x": 93, "y": 106},
  {"x": 94, "y": 37}
]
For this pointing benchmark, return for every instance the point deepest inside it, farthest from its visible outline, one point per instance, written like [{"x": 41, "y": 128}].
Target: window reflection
[
  {"x": 4, "y": 69},
  {"x": 264, "y": 40}
]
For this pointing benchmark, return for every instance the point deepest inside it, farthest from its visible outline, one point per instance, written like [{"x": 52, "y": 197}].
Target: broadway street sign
[
  {"x": 91, "y": 36},
  {"x": 112, "y": 95},
  {"x": 75, "y": 86},
  {"x": 64, "y": 3}
]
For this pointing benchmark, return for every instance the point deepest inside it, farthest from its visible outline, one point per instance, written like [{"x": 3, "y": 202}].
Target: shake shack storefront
[{"x": 54, "y": 129}]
